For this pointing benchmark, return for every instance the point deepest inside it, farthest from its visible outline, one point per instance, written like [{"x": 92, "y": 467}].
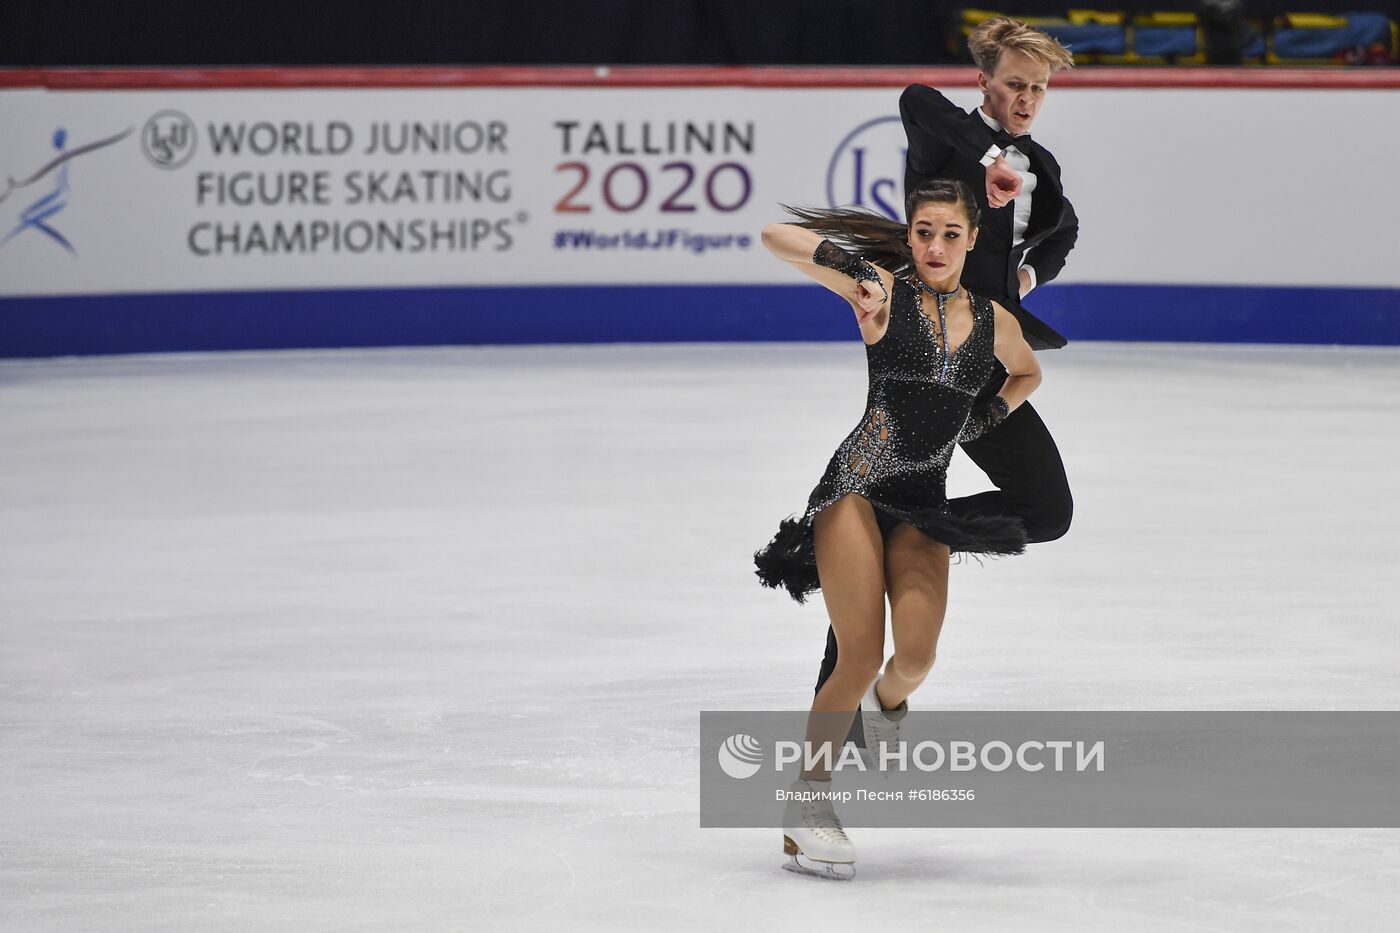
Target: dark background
[{"x": 370, "y": 32}]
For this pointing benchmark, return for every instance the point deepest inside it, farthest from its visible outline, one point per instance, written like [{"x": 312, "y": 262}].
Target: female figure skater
[{"x": 878, "y": 523}]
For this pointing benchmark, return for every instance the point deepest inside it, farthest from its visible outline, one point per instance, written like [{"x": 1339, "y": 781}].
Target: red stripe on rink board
[{"x": 90, "y": 79}]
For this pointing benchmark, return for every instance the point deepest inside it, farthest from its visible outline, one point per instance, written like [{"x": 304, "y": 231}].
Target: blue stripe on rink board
[
  {"x": 87, "y": 324},
  {"x": 1222, "y": 313}
]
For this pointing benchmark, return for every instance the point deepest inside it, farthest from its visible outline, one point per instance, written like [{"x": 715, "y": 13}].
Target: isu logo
[
  {"x": 168, "y": 139},
  {"x": 867, "y": 168}
]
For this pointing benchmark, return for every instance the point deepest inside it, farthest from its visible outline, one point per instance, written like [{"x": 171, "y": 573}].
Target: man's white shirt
[{"x": 1021, "y": 217}]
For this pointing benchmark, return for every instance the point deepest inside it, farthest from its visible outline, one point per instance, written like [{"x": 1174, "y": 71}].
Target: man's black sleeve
[
  {"x": 926, "y": 115},
  {"x": 1048, "y": 256}
]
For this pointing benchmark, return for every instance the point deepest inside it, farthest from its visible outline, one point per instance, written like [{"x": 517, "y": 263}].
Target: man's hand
[
  {"x": 1024, "y": 278},
  {"x": 1003, "y": 183}
]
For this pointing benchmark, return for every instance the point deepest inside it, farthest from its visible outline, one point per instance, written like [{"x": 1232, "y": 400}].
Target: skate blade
[
  {"x": 802, "y": 865},
  {"x": 833, "y": 871}
]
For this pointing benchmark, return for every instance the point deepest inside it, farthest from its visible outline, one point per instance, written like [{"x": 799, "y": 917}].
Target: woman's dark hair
[{"x": 877, "y": 238}]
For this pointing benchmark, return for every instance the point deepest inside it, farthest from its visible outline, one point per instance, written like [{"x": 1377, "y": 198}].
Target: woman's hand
[{"x": 870, "y": 299}]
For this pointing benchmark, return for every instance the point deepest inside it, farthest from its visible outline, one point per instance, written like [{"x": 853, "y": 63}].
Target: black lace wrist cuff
[
  {"x": 984, "y": 418},
  {"x": 831, "y": 256}
]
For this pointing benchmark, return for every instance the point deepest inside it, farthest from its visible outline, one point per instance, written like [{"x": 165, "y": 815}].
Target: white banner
[{"x": 151, "y": 191}]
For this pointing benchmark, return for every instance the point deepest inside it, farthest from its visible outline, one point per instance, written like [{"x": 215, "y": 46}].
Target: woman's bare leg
[
  {"x": 850, "y": 557},
  {"x": 916, "y": 573}
]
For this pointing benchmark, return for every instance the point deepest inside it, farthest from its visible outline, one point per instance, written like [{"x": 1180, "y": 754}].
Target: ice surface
[{"x": 417, "y": 639}]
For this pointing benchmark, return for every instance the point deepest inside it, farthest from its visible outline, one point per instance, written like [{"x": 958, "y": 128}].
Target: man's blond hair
[{"x": 990, "y": 38}]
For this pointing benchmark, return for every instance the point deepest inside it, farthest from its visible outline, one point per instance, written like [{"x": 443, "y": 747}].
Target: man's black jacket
[{"x": 946, "y": 141}]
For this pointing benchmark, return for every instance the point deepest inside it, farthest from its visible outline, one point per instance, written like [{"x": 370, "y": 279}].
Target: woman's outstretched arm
[{"x": 865, "y": 286}]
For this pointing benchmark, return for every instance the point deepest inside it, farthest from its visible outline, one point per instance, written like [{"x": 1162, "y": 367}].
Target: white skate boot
[
  {"x": 813, "y": 839},
  {"x": 881, "y": 728}
]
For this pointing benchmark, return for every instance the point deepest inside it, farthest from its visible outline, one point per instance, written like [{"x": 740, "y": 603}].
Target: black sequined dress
[{"x": 897, "y": 456}]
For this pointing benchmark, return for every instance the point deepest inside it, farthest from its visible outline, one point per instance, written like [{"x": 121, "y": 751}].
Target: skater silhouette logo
[
  {"x": 740, "y": 756},
  {"x": 54, "y": 191}
]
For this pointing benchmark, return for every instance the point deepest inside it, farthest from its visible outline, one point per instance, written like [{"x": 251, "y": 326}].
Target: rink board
[{"x": 206, "y": 211}]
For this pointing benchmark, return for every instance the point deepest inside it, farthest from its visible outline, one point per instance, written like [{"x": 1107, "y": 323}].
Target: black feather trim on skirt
[{"x": 789, "y": 561}]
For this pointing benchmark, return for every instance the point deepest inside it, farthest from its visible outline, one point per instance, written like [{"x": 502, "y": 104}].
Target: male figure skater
[{"x": 1028, "y": 229}]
